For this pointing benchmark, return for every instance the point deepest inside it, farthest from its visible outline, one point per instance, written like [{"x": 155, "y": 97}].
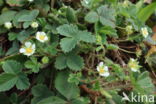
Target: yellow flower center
[
  {"x": 101, "y": 71},
  {"x": 133, "y": 65},
  {"x": 29, "y": 50},
  {"x": 41, "y": 37}
]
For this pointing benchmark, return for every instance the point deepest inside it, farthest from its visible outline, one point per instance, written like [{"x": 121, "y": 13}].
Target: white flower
[
  {"x": 28, "y": 49},
  {"x": 34, "y": 24},
  {"x": 8, "y": 25},
  {"x": 144, "y": 32},
  {"x": 41, "y": 36},
  {"x": 133, "y": 65},
  {"x": 103, "y": 70},
  {"x": 30, "y": 0}
]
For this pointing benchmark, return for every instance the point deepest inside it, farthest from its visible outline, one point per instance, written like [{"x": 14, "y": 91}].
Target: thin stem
[{"x": 127, "y": 51}]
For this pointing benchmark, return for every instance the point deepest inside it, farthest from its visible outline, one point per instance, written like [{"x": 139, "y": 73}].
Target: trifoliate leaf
[
  {"x": 7, "y": 81},
  {"x": 12, "y": 67},
  {"x": 92, "y": 17},
  {"x": 73, "y": 36},
  {"x": 68, "y": 90},
  {"x": 33, "y": 64}
]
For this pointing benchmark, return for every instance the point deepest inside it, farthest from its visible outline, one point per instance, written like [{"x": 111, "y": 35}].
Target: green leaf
[
  {"x": 60, "y": 62},
  {"x": 52, "y": 100},
  {"x": 12, "y": 67},
  {"x": 14, "y": 49},
  {"x": 67, "y": 44},
  {"x": 92, "y": 17},
  {"x": 40, "y": 92},
  {"x": 87, "y": 36},
  {"x": 15, "y": 2},
  {"x": 33, "y": 64},
  {"x": 68, "y": 90},
  {"x": 22, "y": 82},
  {"x": 29, "y": 17},
  {"x": 75, "y": 62},
  {"x": 7, "y": 81},
  {"x": 70, "y": 14},
  {"x": 145, "y": 82},
  {"x": 146, "y": 12},
  {"x": 67, "y": 30},
  {"x": 12, "y": 36},
  {"x": 108, "y": 31},
  {"x": 107, "y": 16},
  {"x": 73, "y": 36},
  {"x": 7, "y": 16}
]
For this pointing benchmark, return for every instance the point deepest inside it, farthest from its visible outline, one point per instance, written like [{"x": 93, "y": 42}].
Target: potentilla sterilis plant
[
  {"x": 133, "y": 64},
  {"x": 41, "y": 36},
  {"x": 103, "y": 70},
  {"x": 144, "y": 32},
  {"x": 28, "y": 49}
]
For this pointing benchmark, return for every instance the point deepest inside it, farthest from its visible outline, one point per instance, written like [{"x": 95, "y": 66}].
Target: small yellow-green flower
[
  {"x": 41, "y": 36},
  {"x": 133, "y": 64},
  {"x": 8, "y": 25},
  {"x": 103, "y": 69},
  {"x": 129, "y": 29},
  {"x": 144, "y": 32},
  {"x": 28, "y": 49},
  {"x": 98, "y": 39},
  {"x": 34, "y": 24}
]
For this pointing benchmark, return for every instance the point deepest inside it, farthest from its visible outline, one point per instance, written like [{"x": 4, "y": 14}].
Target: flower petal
[
  {"x": 101, "y": 64},
  {"x": 106, "y": 74},
  {"x": 22, "y": 50},
  {"x": 106, "y": 68},
  {"x": 28, "y": 44}
]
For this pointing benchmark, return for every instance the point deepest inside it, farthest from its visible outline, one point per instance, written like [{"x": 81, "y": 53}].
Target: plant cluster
[{"x": 76, "y": 52}]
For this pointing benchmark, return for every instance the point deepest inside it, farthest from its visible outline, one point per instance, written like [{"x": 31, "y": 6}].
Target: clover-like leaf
[{"x": 73, "y": 36}]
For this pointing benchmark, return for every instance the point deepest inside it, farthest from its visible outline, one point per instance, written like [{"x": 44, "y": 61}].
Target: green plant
[{"x": 75, "y": 52}]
